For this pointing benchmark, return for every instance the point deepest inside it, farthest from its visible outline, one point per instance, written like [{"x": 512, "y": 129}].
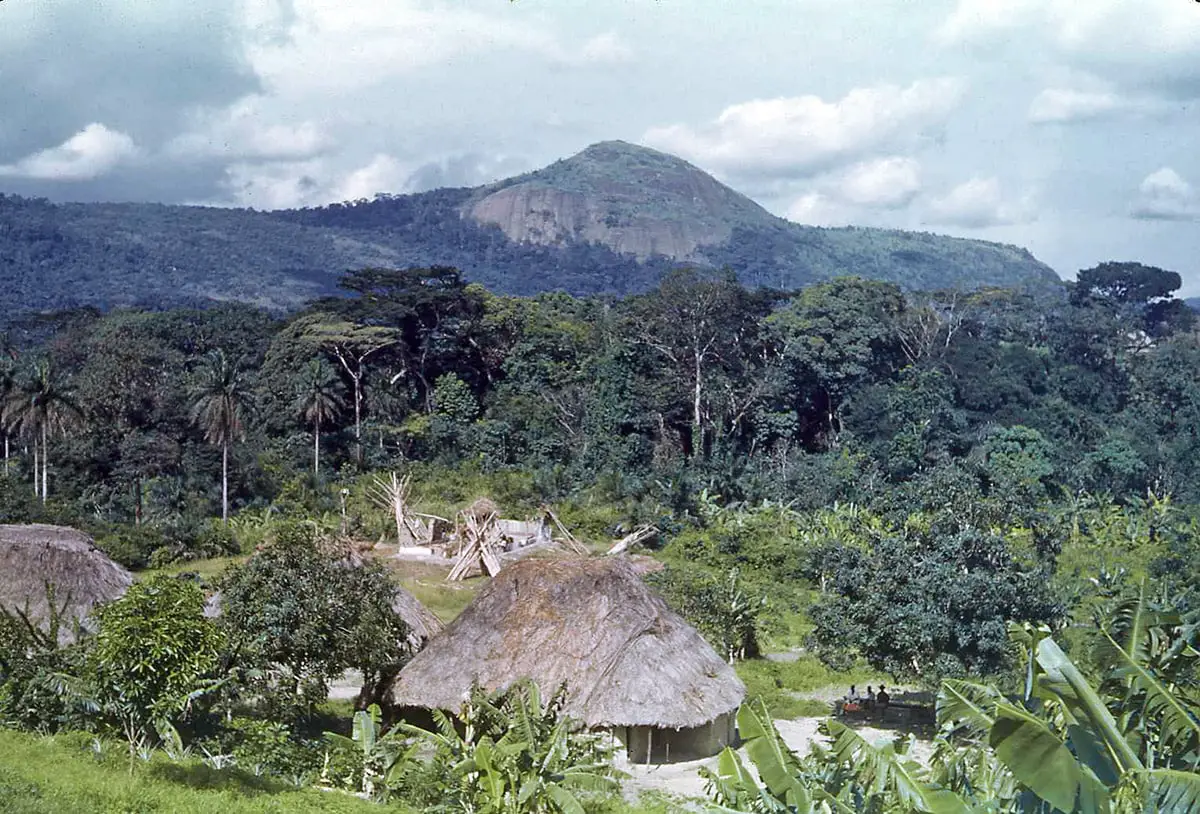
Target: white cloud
[
  {"x": 318, "y": 47},
  {"x": 606, "y": 49},
  {"x": 92, "y": 152},
  {"x": 819, "y": 209},
  {"x": 1152, "y": 44},
  {"x": 886, "y": 182},
  {"x": 1165, "y": 195},
  {"x": 972, "y": 20},
  {"x": 1064, "y": 105},
  {"x": 382, "y": 174},
  {"x": 244, "y": 131},
  {"x": 977, "y": 204},
  {"x": 312, "y": 182},
  {"x": 1160, "y": 26},
  {"x": 858, "y": 193},
  {"x": 801, "y": 135}
]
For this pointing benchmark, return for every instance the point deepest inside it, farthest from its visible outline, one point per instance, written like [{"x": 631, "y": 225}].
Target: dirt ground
[{"x": 683, "y": 779}]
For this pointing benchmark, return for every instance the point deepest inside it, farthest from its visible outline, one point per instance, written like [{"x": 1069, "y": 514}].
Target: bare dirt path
[{"x": 683, "y": 779}]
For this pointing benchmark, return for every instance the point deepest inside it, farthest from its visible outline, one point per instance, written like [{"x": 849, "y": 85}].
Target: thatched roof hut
[
  {"x": 80, "y": 575},
  {"x": 629, "y": 662},
  {"x": 422, "y": 624}
]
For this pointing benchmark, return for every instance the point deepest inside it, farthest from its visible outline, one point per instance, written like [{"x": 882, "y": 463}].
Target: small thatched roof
[
  {"x": 422, "y": 624},
  {"x": 626, "y": 658},
  {"x": 81, "y": 575}
]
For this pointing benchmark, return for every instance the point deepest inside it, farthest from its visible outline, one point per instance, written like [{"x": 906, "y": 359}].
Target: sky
[{"x": 1068, "y": 127}]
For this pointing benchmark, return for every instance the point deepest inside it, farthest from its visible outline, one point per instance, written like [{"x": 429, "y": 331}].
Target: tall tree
[
  {"x": 220, "y": 398},
  {"x": 833, "y": 337},
  {"x": 701, "y": 327},
  {"x": 38, "y": 408},
  {"x": 351, "y": 345},
  {"x": 318, "y": 402},
  {"x": 8, "y": 382}
]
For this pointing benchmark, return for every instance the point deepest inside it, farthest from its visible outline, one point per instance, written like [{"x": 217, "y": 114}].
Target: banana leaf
[
  {"x": 1041, "y": 762},
  {"x": 1170, "y": 792},
  {"x": 776, "y": 764}
]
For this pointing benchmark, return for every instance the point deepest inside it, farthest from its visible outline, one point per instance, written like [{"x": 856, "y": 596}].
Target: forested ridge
[{"x": 67, "y": 255}]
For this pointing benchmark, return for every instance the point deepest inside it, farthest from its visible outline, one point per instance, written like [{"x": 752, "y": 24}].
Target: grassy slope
[{"x": 53, "y": 775}]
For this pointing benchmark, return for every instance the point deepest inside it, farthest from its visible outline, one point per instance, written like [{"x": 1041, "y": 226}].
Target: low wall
[{"x": 644, "y": 744}]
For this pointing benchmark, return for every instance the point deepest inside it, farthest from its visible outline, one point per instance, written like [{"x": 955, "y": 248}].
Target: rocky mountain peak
[{"x": 630, "y": 198}]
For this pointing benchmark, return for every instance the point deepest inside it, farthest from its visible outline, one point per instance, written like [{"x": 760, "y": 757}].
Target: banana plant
[
  {"x": 1066, "y": 749},
  {"x": 378, "y": 752},
  {"x": 853, "y": 775},
  {"x": 512, "y": 753}
]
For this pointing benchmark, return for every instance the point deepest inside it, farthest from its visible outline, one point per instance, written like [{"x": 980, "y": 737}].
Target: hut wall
[{"x": 672, "y": 745}]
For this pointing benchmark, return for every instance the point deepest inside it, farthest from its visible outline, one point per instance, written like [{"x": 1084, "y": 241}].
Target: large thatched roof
[
  {"x": 626, "y": 658},
  {"x": 81, "y": 575}
]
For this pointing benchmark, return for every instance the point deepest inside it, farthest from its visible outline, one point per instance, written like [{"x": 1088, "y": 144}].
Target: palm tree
[
  {"x": 39, "y": 408},
  {"x": 8, "y": 383},
  {"x": 318, "y": 401},
  {"x": 219, "y": 399}
]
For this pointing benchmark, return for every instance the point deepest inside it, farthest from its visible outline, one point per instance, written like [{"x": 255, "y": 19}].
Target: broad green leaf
[
  {"x": 565, "y": 801},
  {"x": 1059, "y": 669},
  {"x": 967, "y": 705},
  {"x": 776, "y": 764},
  {"x": 1040, "y": 760},
  {"x": 881, "y": 770}
]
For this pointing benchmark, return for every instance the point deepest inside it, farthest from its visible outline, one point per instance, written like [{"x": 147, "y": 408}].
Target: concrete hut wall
[{"x": 645, "y": 744}]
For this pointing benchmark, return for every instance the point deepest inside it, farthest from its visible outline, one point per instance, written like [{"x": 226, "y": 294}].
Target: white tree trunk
[
  {"x": 45, "y": 461},
  {"x": 697, "y": 431},
  {"x": 317, "y": 449},
  {"x": 36, "y": 487}
]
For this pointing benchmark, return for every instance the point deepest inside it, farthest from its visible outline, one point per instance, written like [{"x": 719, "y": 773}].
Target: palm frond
[
  {"x": 883, "y": 769},
  {"x": 966, "y": 706}
]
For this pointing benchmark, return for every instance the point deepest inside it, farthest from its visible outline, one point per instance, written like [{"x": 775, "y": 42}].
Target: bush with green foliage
[
  {"x": 154, "y": 657},
  {"x": 39, "y": 685},
  {"x": 302, "y": 610}
]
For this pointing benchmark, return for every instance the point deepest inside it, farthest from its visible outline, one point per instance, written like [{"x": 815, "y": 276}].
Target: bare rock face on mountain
[{"x": 632, "y": 199}]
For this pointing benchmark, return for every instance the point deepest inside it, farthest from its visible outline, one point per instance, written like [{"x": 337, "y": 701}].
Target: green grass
[
  {"x": 207, "y": 569},
  {"x": 51, "y": 775},
  {"x": 782, "y": 685}
]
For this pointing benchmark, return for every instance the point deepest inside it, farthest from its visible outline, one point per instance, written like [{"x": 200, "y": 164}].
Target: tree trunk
[
  {"x": 137, "y": 501},
  {"x": 36, "y": 487},
  {"x": 225, "y": 483},
  {"x": 358, "y": 420},
  {"x": 6, "y": 455},
  {"x": 45, "y": 461},
  {"x": 317, "y": 448},
  {"x": 697, "y": 430}
]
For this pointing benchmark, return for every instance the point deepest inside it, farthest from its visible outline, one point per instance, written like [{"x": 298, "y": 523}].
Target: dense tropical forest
[{"x": 993, "y": 492}]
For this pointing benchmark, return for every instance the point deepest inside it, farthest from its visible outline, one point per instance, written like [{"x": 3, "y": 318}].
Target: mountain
[
  {"x": 632, "y": 199},
  {"x": 610, "y": 219}
]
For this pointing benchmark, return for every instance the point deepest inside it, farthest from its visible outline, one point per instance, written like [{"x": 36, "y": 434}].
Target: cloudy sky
[{"x": 1067, "y": 126}]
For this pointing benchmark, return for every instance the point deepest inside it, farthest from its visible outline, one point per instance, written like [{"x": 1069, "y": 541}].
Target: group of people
[{"x": 876, "y": 702}]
